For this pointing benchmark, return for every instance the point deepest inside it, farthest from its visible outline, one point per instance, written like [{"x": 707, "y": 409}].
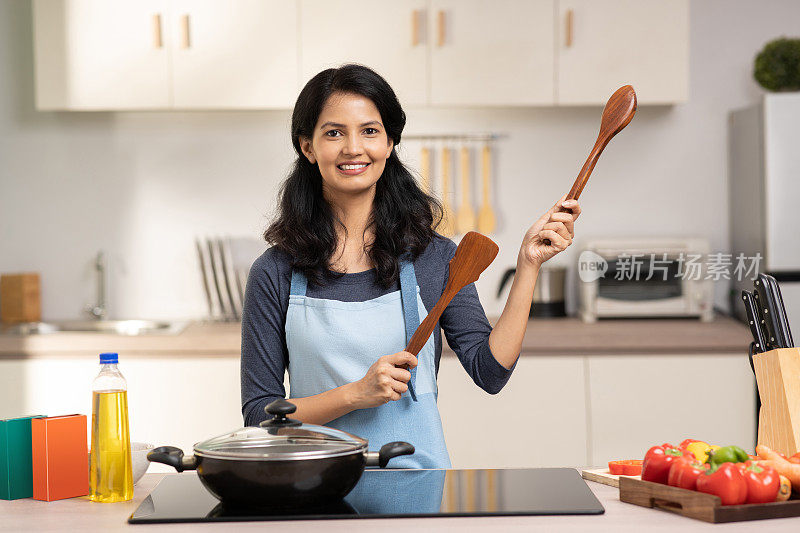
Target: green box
[{"x": 16, "y": 461}]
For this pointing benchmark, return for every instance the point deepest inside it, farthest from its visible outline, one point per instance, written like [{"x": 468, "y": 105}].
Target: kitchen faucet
[{"x": 98, "y": 310}]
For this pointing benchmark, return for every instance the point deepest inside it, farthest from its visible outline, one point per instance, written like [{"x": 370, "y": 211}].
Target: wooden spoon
[
  {"x": 465, "y": 219},
  {"x": 425, "y": 169},
  {"x": 475, "y": 252},
  {"x": 486, "y": 218},
  {"x": 617, "y": 114},
  {"x": 447, "y": 227}
]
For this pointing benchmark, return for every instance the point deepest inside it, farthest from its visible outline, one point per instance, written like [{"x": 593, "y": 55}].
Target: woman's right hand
[{"x": 385, "y": 380}]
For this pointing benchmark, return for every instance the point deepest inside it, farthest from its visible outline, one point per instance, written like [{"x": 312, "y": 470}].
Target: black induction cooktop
[{"x": 394, "y": 494}]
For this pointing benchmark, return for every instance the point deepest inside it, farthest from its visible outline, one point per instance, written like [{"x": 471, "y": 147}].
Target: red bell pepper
[
  {"x": 684, "y": 473},
  {"x": 762, "y": 482},
  {"x": 726, "y": 481},
  {"x": 658, "y": 460},
  {"x": 627, "y": 467},
  {"x": 687, "y": 442}
]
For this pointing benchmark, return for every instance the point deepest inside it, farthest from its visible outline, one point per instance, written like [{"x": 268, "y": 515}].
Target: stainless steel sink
[{"x": 114, "y": 327}]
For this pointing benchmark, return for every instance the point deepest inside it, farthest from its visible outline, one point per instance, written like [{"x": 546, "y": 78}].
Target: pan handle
[
  {"x": 388, "y": 451},
  {"x": 172, "y": 456}
]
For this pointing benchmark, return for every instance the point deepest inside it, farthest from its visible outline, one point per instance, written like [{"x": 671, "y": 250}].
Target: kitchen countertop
[
  {"x": 563, "y": 336},
  {"x": 79, "y": 514}
]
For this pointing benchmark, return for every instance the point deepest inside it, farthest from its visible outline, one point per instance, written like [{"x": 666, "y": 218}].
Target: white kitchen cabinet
[
  {"x": 604, "y": 44},
  {"x": 234, "y": 54},
  {"x": 491, "y": 53},
  {"x": 385, "y": 35},
  {"x": 98, "y": 54},
  {"x": 638, "y": 401},
  {"x": 165, "y": 54},
  {"x": 537, "y": 420}
]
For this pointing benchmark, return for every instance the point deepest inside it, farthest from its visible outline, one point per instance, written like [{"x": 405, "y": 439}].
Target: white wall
[{"x": 143, "y": 185}]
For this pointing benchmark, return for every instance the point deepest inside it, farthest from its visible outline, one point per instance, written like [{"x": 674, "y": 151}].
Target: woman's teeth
[{"x": 351, "y": 167}]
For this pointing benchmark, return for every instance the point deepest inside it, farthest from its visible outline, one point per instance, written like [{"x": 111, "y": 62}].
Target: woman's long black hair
[{"x": 403, "y": 216}]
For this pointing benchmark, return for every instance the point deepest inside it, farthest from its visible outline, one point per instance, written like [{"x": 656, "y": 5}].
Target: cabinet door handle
[
  {"x": 415, "y": 27},
  {"x": 185, "y": 38},
  {"x": 441, "y": 27},
  {"x": 158, "y": 42},
  {"x": 569, "y": 24}
]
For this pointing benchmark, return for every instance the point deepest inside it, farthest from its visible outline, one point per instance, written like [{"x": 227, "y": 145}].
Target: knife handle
[
  {"x": 767, "y": 313},
  {"x": 759, "y": 344},
  {"x": 784, "y": 330}
]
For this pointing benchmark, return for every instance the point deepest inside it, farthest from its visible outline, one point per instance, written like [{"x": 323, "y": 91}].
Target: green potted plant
[{"x": 777, "y": 66}]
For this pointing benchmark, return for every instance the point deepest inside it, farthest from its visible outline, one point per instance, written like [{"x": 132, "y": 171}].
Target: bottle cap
[{"x": 109, "y": 358}]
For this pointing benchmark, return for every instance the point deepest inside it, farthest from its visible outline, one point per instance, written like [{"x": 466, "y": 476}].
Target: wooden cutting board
[{"x": 602, "y": 475}]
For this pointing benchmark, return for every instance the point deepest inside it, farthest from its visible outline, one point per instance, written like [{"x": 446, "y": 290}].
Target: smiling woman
[{"x": 356, "y": 264}]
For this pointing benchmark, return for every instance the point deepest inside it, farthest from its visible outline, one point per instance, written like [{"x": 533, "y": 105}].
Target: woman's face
[{"x": 349, "y": 145}]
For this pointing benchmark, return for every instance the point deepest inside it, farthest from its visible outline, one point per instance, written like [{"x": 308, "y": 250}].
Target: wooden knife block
[{"x": 778, "y": 377}]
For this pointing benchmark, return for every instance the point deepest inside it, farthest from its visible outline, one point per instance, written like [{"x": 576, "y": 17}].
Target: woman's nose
[{"x": 353, "y": 145}]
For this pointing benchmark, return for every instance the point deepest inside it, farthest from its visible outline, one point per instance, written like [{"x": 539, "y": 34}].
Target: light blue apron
[{"x": 333, "y": 343}]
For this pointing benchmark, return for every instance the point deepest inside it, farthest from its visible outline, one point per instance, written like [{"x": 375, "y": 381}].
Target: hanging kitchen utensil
[
  {"x": 465, "y": 220},
  {"x": 446, "y": 228},
  {"x": 486, "y": 217},
  {"x": 425, "y": 169},
  {"x": 617, "y": 114},
  {"x": 284, "y": 462},
  {"x": 475, "y": 252}
]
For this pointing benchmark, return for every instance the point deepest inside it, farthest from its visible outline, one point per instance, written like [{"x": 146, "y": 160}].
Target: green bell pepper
[{"x": 726, "y": 454}]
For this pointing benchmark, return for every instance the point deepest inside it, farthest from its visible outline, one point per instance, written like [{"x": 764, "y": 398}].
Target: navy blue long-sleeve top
[{"x": 265, "y": 357}]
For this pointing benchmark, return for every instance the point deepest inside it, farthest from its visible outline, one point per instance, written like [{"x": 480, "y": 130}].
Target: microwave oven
[{"x": 652, "y": 277}]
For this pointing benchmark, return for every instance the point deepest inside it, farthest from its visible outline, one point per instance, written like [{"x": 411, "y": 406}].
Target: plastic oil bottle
[{"x": 110, "y": 474}]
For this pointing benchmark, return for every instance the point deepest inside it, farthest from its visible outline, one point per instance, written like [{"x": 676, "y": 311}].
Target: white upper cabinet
[
  {"x": 386, "y": 35},
  {"x": 491, "y": 53},
  {"x": 604, "y": 44},
  {"x": 257, "y": 54},
  {"x": 100, "y": 54},
  {"x": 234, "y": 54}
]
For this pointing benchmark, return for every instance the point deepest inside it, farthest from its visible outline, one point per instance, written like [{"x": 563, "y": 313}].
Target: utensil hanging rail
[{"x": 457, "y": 137}]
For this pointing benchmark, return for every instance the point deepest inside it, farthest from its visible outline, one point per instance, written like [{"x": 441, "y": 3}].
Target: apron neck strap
[
  {"x": 408, "y": 293},
  {"x": 299, "y": 283}
]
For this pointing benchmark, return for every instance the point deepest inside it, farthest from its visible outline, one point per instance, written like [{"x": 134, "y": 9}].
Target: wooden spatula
[
  {"x": 617, "y": 114},
  {"x": 475, "y": 252}
]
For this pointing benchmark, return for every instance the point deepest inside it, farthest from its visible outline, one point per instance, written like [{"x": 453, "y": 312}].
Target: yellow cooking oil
[
  {"x": 110, "y": 467},
  {"x": 110, "y": 470}
]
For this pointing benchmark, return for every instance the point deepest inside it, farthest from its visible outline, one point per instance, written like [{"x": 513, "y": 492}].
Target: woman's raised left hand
[{"x": 556, "y": 226}]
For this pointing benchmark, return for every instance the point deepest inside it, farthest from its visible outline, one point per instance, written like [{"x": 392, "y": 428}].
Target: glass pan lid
[{"x": 305, "y": 441}]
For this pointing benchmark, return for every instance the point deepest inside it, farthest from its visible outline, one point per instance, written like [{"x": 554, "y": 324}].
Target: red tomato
[
  {"x": 684, "y": 473},
  {"x": 727, "y": 482},
  {"x": 763, "y": 483},
  {"x": 795, "y": 458}
]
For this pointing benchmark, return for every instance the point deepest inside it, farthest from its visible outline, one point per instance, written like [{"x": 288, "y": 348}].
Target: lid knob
[{"x": 280, "y": 408}]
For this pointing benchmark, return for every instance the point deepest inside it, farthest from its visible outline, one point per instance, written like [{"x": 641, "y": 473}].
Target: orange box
[{"x": 60, "y": 457}]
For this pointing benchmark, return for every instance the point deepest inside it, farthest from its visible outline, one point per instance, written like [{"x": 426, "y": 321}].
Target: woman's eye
[
  {"x": 333, "y": 133},
  {"x": 371, "y": 131}
]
